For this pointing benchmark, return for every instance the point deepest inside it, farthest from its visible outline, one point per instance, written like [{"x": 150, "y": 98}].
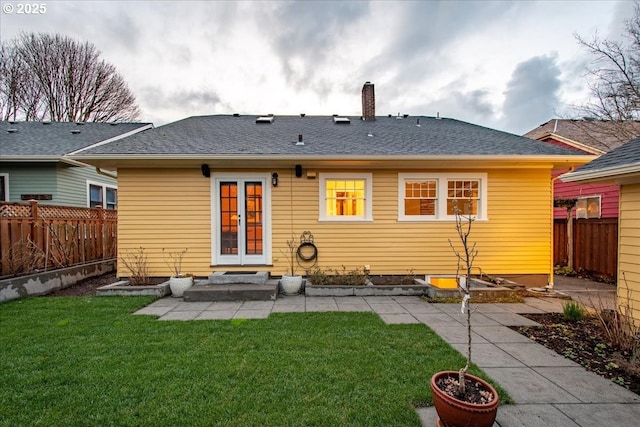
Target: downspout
[{"x": 549, "y": 286}]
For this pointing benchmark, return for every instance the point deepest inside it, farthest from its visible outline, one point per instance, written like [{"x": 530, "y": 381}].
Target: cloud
[{"x": 532, "y": 94}]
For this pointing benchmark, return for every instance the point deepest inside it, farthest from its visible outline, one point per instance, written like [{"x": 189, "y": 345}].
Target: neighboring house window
[
  {"x": 588, "y": 207},
  {"x": 423, "y": 197},
  {"x": 4, "y": 187},
  {"x": 345, "y": 197},
  {"x": 102, "y": 195}
]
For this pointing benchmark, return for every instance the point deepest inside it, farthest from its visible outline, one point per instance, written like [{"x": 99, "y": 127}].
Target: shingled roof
[
  {"x": 51, "y": 140},
  {"x": 599, "y": 134},
  {"x": 624, "y": 160},
  {"x": 321, "y": 135}
]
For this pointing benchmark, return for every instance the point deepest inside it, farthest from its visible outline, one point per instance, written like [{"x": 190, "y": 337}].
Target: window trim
[
  {"x": 368, "y": 194},
  {"x": 6, "y": 186},
  {"x": 586, "y": 198},
  {"x": 441, "y": 192},
  {"x": 104, "y": 187}
]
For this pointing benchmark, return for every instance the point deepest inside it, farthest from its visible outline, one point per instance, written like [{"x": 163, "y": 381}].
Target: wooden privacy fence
[
  {"x": 42, "y": 237},
  {"x": 595, "y": 245}
]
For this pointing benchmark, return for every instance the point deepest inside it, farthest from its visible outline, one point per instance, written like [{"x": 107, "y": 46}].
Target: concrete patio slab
[
  {"x": 191, "y": 306},
  {"x": 500, "y": 334},
  {"x": 257, "y": 305},
  {"x": 456, "y": 334},
  {"x": 216, "y": 315},
  {"x": 388, "y": 308},
  {"x": 407, "y": 299},
  {"x": 428, "y": 416},
  {"x": 288, "y": 308},
  {"x": 534, "y": 355},
  {"x": 489, "y": 308},
  {"x": 525, "y": 385},
  {"x": 587, "y": 386},
  {"x": 419, "y": 307},
  {"x": 520, "y": 308},
  {"x": 166, "y": 302},
  {"x": 604, "y": 414},
  {"x": 548, "y": 305},
  {"x": 251, "y": 314},
  {"x": 180, "y": 315},
  {"x": 379, "y": 299},
  {"x": 224, "y": 306},
  {"x": 536, "y": 415},
  {"x": 435, "y": 319},
  {"x": 511, "y": 319},
  {"x": 354, "y": 307},
  {"x": 488, "y": 355}
]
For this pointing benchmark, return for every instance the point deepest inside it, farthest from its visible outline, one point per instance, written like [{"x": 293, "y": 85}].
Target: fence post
[{"x": 100, "y": 231}]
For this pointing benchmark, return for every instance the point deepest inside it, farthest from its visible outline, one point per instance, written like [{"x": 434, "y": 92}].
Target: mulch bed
[
  {"x": 85, "y": 287},
  {"x": 585, "y": 343}
]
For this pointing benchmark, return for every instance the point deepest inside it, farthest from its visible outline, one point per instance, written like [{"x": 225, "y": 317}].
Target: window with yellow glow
[
  {"x": 420, "y": 197},
  {"x": 464, "y": 195},
  {"x": 345, "y": 197},
  {"x": 435, "y": 196}
]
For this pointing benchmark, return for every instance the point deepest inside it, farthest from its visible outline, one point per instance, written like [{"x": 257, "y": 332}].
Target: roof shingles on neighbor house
[
  {"x": 616, "y": 163},
  {"x": 594, "y": 136},
  {"x": 32, "y": 141},
  {"x": 321, "y": 136}
]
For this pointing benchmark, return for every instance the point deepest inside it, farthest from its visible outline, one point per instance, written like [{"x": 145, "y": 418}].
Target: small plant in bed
[{"x": 335, "y": 277}]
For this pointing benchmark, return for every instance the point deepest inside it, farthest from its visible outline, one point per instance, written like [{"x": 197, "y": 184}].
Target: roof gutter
[{"x": 601, "y": 174}]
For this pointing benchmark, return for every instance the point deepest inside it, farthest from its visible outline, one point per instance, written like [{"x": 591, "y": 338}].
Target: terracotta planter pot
[{"x": 457, "y": 413}]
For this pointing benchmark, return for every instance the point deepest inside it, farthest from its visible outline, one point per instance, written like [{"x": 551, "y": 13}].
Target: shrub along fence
[
  {"x": 37, "y": 237},
  {"x": 595, "y": 245}
]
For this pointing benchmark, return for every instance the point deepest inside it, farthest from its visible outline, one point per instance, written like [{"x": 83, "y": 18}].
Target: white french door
[{"x": 240, "y": 218}]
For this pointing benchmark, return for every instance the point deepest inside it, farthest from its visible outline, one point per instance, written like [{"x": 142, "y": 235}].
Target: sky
[{"x": 501, "y": 64}]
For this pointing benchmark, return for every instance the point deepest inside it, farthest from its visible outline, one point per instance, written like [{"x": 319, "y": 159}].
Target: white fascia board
[{"x": 601, "y": 174}]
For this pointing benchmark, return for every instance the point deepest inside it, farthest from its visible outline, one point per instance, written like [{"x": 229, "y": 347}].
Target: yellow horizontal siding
[
  {"x": 629, "y": 249},
  {"x": 165, "y": 208}
]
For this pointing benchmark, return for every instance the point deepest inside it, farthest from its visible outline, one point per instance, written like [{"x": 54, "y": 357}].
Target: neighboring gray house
[{"x": 33, "y": 165}]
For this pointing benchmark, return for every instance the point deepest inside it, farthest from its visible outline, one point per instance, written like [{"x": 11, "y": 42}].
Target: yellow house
[
  {"x": 374, "y": 191},
  {"x": 622, "y": 166}
]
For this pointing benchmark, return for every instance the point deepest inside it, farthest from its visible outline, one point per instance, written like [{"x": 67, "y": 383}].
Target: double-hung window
[
  {"x": 345, "y": 197},
  {"x": 102, "y": 195},
  {"x": 426, "y": 197}
]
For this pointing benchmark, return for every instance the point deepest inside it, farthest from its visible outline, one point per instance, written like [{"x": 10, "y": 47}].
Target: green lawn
[{"x": 88, "y": 362}]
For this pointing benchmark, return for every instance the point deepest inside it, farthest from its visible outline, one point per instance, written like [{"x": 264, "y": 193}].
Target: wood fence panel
[
  {"x": 46, "y": 237},
  {"x": 595, "y": 245}
]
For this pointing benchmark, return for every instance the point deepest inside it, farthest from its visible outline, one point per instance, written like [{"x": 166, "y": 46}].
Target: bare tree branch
[{"x": 53, "y": 77}]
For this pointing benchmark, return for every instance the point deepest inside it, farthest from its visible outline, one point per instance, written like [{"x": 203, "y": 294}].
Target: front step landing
[
  {"x": 244, "y": 277},
  {"x": 232, "y": 292}
]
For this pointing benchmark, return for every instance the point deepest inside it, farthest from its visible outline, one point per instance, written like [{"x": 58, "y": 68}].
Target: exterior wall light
[{"x": 274, "y": 179}]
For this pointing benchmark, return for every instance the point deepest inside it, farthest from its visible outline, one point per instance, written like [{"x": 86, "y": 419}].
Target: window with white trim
[
  {"x": 4, "y": 187},
  {"x": 426, "y": 197},
  {"x": 588, "y": 207},
  {"x": 102, "y": 195},
  {"x": 345, "y": 197}
]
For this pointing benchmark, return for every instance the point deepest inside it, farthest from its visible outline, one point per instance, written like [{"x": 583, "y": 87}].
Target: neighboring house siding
[
  {"x": 31, "y": 179},
  {"x": 629, "y": 248},
  {"x": 171, "y": 208},
  {"x": 609, "y": 196},
  {"x": 72, "y": 184}
]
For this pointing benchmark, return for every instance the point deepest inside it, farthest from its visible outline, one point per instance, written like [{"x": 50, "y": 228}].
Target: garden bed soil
[
  {"x": 585, "y": 343},
  {"x": 390, "y": 280}
]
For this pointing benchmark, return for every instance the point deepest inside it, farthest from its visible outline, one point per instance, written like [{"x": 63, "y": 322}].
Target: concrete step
[
  {"x": 232, "y": 292},
  {"x": 239, "y": 277}
]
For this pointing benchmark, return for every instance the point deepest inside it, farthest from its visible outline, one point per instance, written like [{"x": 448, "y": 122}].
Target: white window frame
[
  {"x": 586, "y": 211},
  {"x": 441, "y": 202},
  {"x": 6, "y": 186},
  {"x": 368, "y": 193},
  {"x": 104, "y": 192}
]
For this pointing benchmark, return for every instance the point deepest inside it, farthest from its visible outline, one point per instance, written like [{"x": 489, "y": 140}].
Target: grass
[{"x": 88, "y": 362}]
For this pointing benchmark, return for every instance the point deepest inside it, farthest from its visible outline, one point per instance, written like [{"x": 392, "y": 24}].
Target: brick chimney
[{"x": 368, "y": 102}]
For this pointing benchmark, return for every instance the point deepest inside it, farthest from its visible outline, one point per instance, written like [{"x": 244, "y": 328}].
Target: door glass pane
[
  {"x": 253, "y": 215},
  {"x": 228, "y": 218}
]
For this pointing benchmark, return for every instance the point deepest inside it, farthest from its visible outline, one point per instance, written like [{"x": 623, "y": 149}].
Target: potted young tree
[
  {"x": 178, "y": 282},
  {"x": 462, "y": 399},
  {"x": 291, "y": 283}
]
